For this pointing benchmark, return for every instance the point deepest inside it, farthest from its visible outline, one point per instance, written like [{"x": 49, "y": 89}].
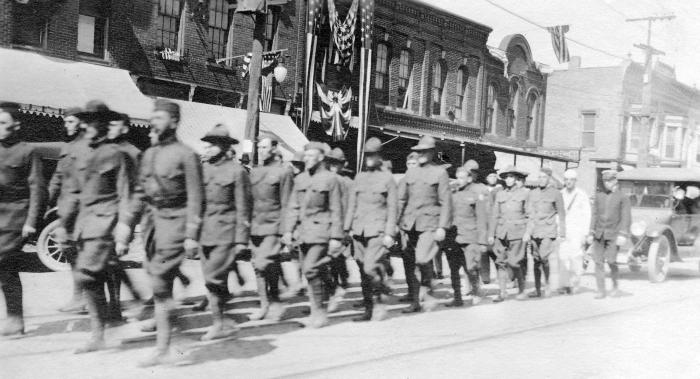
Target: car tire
[
  {"x": 658, "y": 259},
  {"x": 47, "y": 249}
]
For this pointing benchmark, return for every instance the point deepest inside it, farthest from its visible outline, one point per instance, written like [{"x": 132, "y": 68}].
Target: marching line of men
[{"x": 215, "y": 208}]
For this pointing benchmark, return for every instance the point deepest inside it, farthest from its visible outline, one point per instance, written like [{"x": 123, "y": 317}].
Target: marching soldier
[
  {"x": 272, "y": 184},
  {"x": 291, "y": 268},
  {"x": 470, "y": 220},
  {"x": 64, "y": 190},
  {"x": 107, "y": 181},
  {"x": 545, "y": 205},
  {"x": 492, "y": 186},
  {"x": 507, "y": 231},
  {"x": 225, "y": 226},
  {"x": 371, "y": 222},
  {"x": 171, "y": 178},
  {"x": 22, "y": 196},
  {"x": 610, "y": 224},
  {"x": 339, "y": 269},
  {"x": 315, "y": 211},
  {"x": 424, "y": 215}
]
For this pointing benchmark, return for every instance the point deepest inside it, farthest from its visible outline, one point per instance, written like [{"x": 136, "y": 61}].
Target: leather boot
[
  {"x": 218, "y": 328},
  {"x": 264, "y": 302},
  {"x": 97, "y": 306},
  {"x": 502, "y": 283},
  {"x": 367, "y": 315}
]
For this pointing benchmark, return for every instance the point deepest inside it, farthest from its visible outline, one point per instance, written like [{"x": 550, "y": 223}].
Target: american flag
[
  {"x": 343, "y": 32},
  {"x": 367, "y": 20},
  {"x": 313, "y": 18},
  {"x": 559, "y": 42}
]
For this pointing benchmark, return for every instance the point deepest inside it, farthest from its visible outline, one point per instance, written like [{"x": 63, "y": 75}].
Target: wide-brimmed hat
[
  {"x": 513, "y": 170},
  {"x": 336, "y": 155},
  {"x": 219, "y": 135},
  {"x": 373, "y": 146},
  {"x": 425, "y": 143},
  {"x": 97, "y": 110}
]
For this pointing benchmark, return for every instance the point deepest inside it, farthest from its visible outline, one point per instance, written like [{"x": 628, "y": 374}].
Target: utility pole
[
  {"x": 252, "y": 125},
  {"x": 649, "y": 51}
]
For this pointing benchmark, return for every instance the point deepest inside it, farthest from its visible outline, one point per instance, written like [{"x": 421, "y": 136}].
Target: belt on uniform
[
  {"x": 8, "y": 195},
  {"x": 175, "y": 201}
]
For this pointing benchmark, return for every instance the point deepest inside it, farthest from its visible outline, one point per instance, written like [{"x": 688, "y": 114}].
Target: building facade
[{"x": 599, "y": 111}]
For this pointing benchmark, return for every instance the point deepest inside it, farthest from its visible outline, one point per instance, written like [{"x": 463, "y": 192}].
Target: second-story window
[
  {"x": 218, "y": 27},
  {"x": 533, "y": 106},
  {"x": 168, "y": 23},
  {"x": 31, "y": 27},
  {"x": 381, "y": 82},
  {"x": 588, "y": 133},
  {"x": 491, "y": 108},
  {"x": 92, "y": 28},
  {"x": 405, "y": 69},
  {"x": 438, "y": 84},
  {"x": 462, "y": 78},
  {"x": 271, "y": 29},
  {"x": 512, "y": 121}
]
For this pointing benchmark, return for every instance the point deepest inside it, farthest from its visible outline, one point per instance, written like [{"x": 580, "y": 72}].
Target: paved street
[{"x": 651, "y": 331}]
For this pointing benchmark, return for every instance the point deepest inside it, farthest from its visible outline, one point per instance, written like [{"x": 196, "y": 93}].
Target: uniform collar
[{"x": 319, "y": 168}]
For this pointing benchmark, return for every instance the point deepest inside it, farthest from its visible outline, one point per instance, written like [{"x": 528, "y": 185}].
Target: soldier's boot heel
[
  {"x": 14, "y": 327},
  {"x": 380, "y": 312},
  {"x": 275, "y": 311},
  {"x": 95, "y": 343},
  {"x": 264, "y": 302}
]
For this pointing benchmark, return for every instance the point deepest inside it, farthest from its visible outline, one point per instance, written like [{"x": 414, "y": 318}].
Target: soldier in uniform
[
  {"x": 171, "y": 178},
  {"x": 22, "y": 196},
  {"x": 371, "y": 222},
  {"x": 107, "y": 181},
  {"x": 290, "y": 253},
  {"x": 315, "y": 211},
  {"x": 610, "y": 225},
  {"x": 470, "y": 220},
  {"x": 226, "y": 222},
  {"x": 507, "y": 231},
  {"x": 492, "y": 186},
  {"x": 424, "y": 216},
  {"x": 339, "y": 269},
  {"x": 64, "y": 190},
  {"x": 545, "y": 205},
  {"x": 272, "y": 184}
]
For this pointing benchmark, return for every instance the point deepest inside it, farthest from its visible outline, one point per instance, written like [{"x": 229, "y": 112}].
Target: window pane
[
  {"x": 460, "y": 82},
  {"x": 588, "y": 139},
  {"x": 382, "y": 52},
  {"x": 589, "y": 122},
  {"x": 168, "y": 23},
  {"x": 86, "y": 34}
]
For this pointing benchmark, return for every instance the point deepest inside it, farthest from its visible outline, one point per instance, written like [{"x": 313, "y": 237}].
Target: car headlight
[{"x": 638, "y": 228}]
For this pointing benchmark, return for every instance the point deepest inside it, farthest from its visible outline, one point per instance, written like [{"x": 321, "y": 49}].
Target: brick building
[
  {"x": 434, "y": 74},
  {"x": 598, "y": 110},
  {"x": 156, "y": 48}
]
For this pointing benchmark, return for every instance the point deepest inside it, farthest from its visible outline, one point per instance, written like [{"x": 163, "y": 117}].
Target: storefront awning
[
  {"x": 47, "y": 85},
  {"x": 198, "y": 119}
]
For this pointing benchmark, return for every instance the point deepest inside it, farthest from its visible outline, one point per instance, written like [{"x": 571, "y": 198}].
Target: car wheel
[
  {"x": 658, "y": 259},
  {"x": 47, "y": 249}
]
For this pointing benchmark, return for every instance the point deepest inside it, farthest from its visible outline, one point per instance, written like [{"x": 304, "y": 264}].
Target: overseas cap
[{"x": 373, "y": 145}]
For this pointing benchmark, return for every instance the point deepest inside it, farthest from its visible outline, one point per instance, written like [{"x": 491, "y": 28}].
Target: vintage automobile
[{"x": 664, "y": 228}]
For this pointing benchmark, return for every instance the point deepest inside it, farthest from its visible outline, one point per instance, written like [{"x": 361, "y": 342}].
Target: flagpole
[{"x": 252, "y": 125}]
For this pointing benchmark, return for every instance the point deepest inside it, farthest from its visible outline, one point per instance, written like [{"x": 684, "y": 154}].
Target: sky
[{"x": 596, "y": 23}]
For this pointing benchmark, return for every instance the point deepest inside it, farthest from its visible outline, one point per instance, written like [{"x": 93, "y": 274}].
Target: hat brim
[
  {"x": 334, "y": 159},
  {"x": 220, "y": 140},
  {"x": 422, "y": 148},
  {"x": 516, "y": 173},
  {"x": 105, "y": 116}
]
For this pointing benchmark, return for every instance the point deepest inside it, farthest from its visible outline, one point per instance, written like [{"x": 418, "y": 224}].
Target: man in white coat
[{"x": 578, "y": 219}]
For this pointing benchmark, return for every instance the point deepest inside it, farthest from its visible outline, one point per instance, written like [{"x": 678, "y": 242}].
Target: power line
[{"x": 545, "y": 29}]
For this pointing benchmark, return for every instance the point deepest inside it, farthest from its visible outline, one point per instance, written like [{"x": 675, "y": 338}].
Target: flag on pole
[
  {"x": 559, "y": 42},
  {"x": 343, "y": 32},
  {"x": 367, "y": 19},
  {"x": 312, "y": 20}
]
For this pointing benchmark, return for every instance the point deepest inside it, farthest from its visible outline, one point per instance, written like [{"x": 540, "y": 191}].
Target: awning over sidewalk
[
  {"x": 46, "y": 85},
  {"x": 198, "y": 119}
]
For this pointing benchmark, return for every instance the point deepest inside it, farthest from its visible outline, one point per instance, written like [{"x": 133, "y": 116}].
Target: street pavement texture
[{"x": 650, "y": 331}]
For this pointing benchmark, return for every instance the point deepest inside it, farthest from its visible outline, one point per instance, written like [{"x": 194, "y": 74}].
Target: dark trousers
[
  {"x": 605, "y": 251},
  {"x": 542, "y": 248},
  {"x": 315, "y": 269},
  {"x": 485, "y": 269},
  {"x": 419, "y": 255}
]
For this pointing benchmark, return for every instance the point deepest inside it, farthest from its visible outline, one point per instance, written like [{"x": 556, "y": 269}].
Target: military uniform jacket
[
  {"x": 315, "y": 207},
  {"x": 545, "y": 205},
  {"x": 611, "y": 215},
  {"x": 227, "y": 208},
  {"x": 64, "y": 186},
  {"x": 372, "y": 204},
  {"x": 171, "y": 182},
  {"x": 22, "y": 186},
  {"x": 345, "y": 185},
  {"x": 469, "y": 214},
  {"x": 509, "y": 214},
  {"x": 272, "y": 185},
  {"x": 107, "y": 179},
  {"x": 424, "y": 199}
]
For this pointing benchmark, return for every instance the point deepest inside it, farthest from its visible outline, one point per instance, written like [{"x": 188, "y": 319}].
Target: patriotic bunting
[
  {"x": 343, "y": 33},
  {"x": 559, "y": 42}
]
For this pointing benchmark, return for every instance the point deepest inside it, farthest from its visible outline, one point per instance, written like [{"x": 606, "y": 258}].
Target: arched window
[
  {"x": 405, "y": 70},
  {"x": 381, "y": 68},
  {"x": 533, "y": 111},
  {"x": 437, "y": 87},
  {"x": 512, "y": 121},
  {"x": 491, "y": 107},
  {"x": 462, "y": 79}
]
